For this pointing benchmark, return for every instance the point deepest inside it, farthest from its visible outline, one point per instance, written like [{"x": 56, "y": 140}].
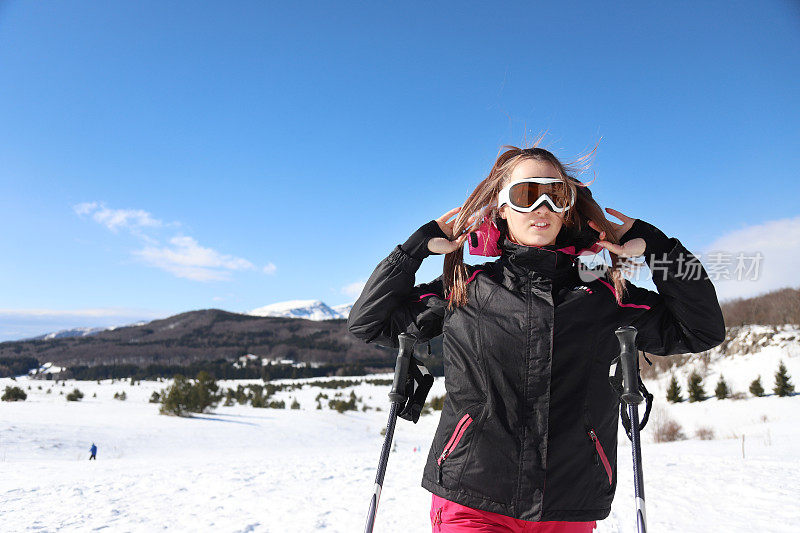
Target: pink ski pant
[{"x": 451, "y": 517}]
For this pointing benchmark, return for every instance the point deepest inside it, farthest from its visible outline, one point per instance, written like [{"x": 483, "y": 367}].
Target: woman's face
[{"x": 522, "y": 226}]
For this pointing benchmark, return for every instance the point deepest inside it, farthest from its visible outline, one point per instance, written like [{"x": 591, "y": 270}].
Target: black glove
[
  {"x": 657, "y": 242},
  {"x": 418, "y": 383},
  {"x": 417, "y": 245}
]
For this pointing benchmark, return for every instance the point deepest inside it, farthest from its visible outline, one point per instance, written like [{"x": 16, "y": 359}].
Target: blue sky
[{"x": 159, "y": 157}]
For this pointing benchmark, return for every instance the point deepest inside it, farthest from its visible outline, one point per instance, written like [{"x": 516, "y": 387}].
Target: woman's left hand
[{"x": 632, "y": 248}]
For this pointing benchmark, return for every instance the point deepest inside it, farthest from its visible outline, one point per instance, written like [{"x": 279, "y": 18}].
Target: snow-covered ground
[{"x": 247, "y": 469}]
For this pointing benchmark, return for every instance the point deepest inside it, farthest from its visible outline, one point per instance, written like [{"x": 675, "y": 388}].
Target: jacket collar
[
  {"x": 547, "y": 261},
  {"x": 555, "y": 261}
]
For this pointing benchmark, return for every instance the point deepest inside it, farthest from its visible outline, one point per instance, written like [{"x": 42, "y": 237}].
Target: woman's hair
[{"x": 483, "y": 202}]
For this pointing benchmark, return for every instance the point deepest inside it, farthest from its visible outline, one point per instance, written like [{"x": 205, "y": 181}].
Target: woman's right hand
[{"x": 440, "y": 245}]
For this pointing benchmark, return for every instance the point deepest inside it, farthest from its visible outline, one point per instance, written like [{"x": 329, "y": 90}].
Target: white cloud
[
  {"x": 185, "y": 258},
  {"x": 270, "y": 269},
  {"x": 354, "y": 289},
  {"x": 85, "y": 208},
  {"x": 778, "y": 242},
  {"x": 115, "y": 219},
  {"x": 182, "y": 256}
]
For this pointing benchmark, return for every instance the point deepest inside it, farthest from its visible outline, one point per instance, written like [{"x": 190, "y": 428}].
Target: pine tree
[
  {"x": 783, "y": 385},
  {"x": 695, "y": 388},
  {"x": 674, "y": 391},
  {"x": 75, "y": 396},
  {"x": 185, "y": 396},
  {"x": 13, "y": 394},
  {"x": 755, "y": 387},
  {"x": 722, "y": 391}
]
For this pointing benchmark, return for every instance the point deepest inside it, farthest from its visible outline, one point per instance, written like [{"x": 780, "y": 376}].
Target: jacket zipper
[
  {"x": 458, "y": 432},
  {"x": 599, "y": 449}
]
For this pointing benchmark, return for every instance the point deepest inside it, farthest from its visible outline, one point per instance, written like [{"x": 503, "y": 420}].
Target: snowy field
[{"x": 281, "y": 470}]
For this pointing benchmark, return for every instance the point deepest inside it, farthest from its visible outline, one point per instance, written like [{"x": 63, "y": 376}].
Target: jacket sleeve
[
  {"x": 684, "y": 316},
  {"x": 391, "y": 304}
]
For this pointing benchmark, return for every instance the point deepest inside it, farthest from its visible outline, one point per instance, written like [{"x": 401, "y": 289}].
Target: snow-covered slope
[
  {"x": 747, "y": 353},
  {"x": 283, "y": 470},
  {"x": 308, "y": 309}
]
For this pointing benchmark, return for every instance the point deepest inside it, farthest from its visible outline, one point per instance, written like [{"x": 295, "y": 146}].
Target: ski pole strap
[
  {"x": 623, "y": 412},
  {"x": 615, "y": 380},
  {"x": 418, "y": 383}
]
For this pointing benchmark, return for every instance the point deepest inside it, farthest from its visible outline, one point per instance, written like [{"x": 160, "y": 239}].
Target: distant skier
[{"x": 93, "y": 450}]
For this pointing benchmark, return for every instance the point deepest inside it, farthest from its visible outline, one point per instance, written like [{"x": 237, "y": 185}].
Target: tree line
[
  {"x": 696, "y": 391},
  {"x": 771, "y": 309}
]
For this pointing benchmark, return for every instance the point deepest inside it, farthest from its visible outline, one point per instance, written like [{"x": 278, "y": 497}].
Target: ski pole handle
[
  {"x": 406, "y": 341},
  {"x": 628, "y": 357},
  {"x": 397, "y": 398}
]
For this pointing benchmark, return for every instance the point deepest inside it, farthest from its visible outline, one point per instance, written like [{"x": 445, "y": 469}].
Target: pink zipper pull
[
  {"x": 595, "y": 455},
  {"x": 599, "y": 451},
  {"x": 458, "y": 432}
]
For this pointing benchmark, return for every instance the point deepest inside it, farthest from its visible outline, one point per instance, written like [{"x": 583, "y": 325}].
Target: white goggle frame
[{"x": 504, "y": 198}]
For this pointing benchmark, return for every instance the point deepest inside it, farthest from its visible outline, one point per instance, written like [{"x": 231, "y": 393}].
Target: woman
[{"x": 527, "y": 438}]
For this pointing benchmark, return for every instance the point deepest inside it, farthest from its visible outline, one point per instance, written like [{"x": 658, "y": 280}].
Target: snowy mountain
[
  {"x": 308, "y": 309},
  {"x": 78, "y": 332},
  {"x": 343, "y": 309},
  {"x": 64, "y": 333}
]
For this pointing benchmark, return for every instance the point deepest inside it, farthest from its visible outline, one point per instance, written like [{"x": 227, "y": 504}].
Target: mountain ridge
[{"x": 307, "y": 309}]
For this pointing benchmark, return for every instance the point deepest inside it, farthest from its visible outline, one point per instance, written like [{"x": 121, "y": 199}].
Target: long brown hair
[{"x": 483, "y": 202}]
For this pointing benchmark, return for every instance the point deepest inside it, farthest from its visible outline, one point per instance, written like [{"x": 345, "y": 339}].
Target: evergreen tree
[
  {"x": 258, "y": 399},
  {"x": 674, "y": 391},
  {"x": 695, "y": 388},
  {"x": 13, "y": 394},
  {"x": 206, "y": 393},
  {"x": 173, "y": 399},
  {"x": 755, "y": 387},
  {"x": 722, "y": 391},
  {"x": 186, "y": 396},
  {"x": 783, "y": 385},
  {"x": 74, "y": 396}
]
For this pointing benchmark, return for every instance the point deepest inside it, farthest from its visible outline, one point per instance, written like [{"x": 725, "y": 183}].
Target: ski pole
[
  {"x": 630, "y": 395},
  {"x": 398, "y": 398}
]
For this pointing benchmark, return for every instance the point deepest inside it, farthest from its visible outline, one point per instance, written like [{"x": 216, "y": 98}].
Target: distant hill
[
  {"x": 771, "y": 309},
  {"x": 204, "y": 335},
  {"x": 307, "y": 309},
  {"x": 212, "y": 334}
]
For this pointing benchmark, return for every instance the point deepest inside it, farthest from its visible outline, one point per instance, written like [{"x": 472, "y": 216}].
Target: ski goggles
[{"x": 527, "y": 194}]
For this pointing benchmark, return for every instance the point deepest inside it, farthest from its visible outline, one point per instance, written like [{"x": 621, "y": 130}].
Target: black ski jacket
[{"x": 529, "y": 424}]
